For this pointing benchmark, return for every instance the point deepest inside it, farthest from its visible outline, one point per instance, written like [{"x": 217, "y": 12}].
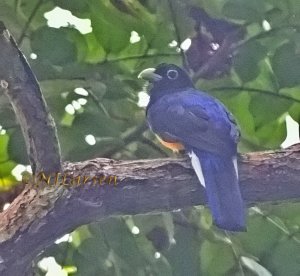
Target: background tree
[{"x": 244, "y": 53}]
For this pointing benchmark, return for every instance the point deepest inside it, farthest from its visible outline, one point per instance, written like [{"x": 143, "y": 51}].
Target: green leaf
[
  {"x": 108, "y": 20},
  {"x": 94, "y": 249},
  {"x": 261, "y": 236},
  {"x": 246, "y": 61},
  {"x": 271, "y": 135},
  {"x": 37, "y": 21},
  {"x": 45, "y": 40},
  {"x": 17, "y": 148},
  {"x": 251, "y": 11},
  {"x": 52, "y": 87},
  {"x": 216, "y": 258},
  {"x": 263, "y": 115},
  {"x": 80, "y": 234},
  {"x": 8, "y": 15},
  {"x": 159, "y": 229},
  {"x": 6, "y": 165},
  {"x": 97, "y": 124},
  {"x": 123, "y": 243},
  {"x": 122, "y": 109},
  {"x": 67, "y": 120},
  {"x": 7, "y": 182},
  {"x": 286, "y": 65},
  {"x": 288, "y": 211},
  {"x": 89, "y": 267},
  {"x": 73, "y": 6},
  {"x": 178, "y": 15},
  {"x": 6, "y": 168},
  {"x": 4, "y": 139},
  {"x": 239, "y": 106},
  {"x": 294, "y": 112},
  {"x": 114, "y": 43},
  {"x": 7, "y": 115},
  {"x": 134, "y": 16},
  {"x": 63, "y": 252},
  {"x": 147, "y": 222},
  {"x": 91, "y": 50},
  {"x": 162, "y": 267},
  {"x": 284, "y": 257},
  {"x": 56, "y": 103},
  {"x": 99, "y": 88},
  {"x": 184, "y": 255}
]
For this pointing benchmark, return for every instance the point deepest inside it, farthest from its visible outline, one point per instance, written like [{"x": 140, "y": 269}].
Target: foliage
[{"x": 258, "y": 82}]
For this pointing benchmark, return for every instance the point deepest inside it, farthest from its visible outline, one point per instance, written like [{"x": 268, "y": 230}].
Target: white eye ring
[{"x": 172, "y": 74}]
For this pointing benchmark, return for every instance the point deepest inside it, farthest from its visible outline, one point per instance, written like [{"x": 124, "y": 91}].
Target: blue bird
[{"x": 183, "y": 117}]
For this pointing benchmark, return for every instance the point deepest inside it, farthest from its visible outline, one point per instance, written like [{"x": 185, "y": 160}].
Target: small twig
[
  {"x": 181, "y": 220},
  {"x": 283, "y": 229},
  {"x": 262, "y": 35},
  {"x": 146, "y": 56},
  {"x": 30, "y": 18},
  {"x": 150, "y": 143},
  {"x": 177, "y": 32},
  {"x": 149, "y": 46},
  {"x": 235, "y": 254},
  {"x": 127, "y": 139},
  {"x": 98, "y": 103},
  {"x": 256, "y": 90}
]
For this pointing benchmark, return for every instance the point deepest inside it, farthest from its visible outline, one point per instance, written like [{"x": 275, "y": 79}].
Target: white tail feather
[
  {"x": 234, "y": 160},
  {"x": 197, "y": 167}
]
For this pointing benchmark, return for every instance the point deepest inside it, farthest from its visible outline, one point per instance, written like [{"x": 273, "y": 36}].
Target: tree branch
[
  {"x": 177, "y": 32},
  {"x": 30, "y": 18},
  {"x": 256, "y": 90},
  {"x": 39, "y": 216},
  {"x": 136, "y": 57},
  {"x": 20, "y": 85}
]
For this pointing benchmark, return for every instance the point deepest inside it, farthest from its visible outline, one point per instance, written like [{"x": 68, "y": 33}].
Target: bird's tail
[{"x": 219, "y": 176}]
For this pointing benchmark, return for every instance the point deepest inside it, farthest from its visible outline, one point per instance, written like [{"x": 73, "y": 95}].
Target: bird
[{"x": 185, "y": 118}]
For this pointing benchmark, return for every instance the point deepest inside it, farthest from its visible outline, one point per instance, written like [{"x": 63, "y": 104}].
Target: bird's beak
[{"x": 149, "y": 75}]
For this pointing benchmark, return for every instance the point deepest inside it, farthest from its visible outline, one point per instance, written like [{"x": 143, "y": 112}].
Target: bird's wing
[{"x": 196, "y": 120}]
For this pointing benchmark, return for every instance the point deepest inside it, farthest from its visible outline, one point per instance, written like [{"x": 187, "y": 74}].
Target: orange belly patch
[{"x": 174, "y": 146}]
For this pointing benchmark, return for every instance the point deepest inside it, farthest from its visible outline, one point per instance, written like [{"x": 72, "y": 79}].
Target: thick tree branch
[
  {"x": 20, "y": 85},
  {"x": 39, "y": 216}
]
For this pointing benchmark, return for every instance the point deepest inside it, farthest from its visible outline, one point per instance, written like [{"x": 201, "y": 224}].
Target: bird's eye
[{"x": 172, "y": 74}]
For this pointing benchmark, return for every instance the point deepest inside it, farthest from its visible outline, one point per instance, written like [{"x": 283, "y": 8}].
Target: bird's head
[{"x": 166, "y": 77}]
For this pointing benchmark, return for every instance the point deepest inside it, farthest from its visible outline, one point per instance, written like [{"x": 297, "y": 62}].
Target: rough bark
[
  {"x": 41, "y": 215},
  {"x": 19, "y": 83}
]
